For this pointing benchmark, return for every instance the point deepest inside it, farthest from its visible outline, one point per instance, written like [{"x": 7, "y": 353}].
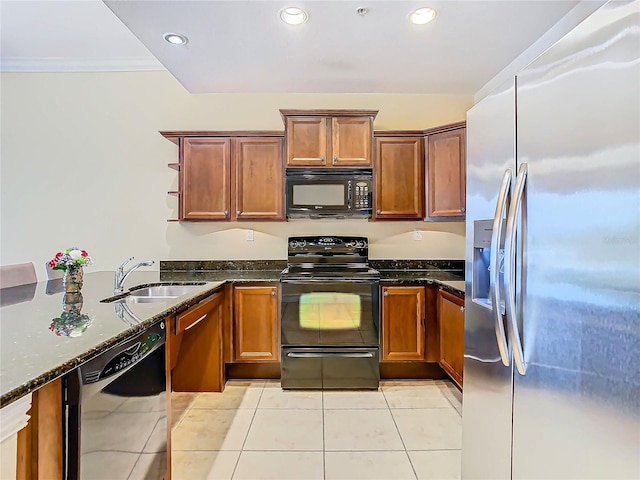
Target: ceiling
[{"x": 242, "y": 46}]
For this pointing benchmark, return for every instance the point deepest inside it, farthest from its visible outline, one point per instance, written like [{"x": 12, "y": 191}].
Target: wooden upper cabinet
[
  {"x": 446, "y": 173},
  {"x": 306, "y": 141},
  {"x": 351, "y": 139},
  {"x": 451, "y": 322},
  {"x": 205, "y": 179},
  {"x": 399, "y": 173},
  {"x": 256, "y": 325},
  {"x": 258, "y": 190},
  {"x": 403, "y": 323},
  {"x": 329, "y": 138},
  {"x": 231, "y": 178}
]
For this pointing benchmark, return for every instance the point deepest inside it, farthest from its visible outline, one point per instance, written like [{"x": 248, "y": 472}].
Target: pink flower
[
  {"x": 84, "y": 253},
  {"x": 58, "y": 255},
  {"x": 52, "y": 263}
]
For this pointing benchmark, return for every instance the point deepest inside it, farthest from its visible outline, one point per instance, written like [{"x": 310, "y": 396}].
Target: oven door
[{"x": 330, "y": 313}]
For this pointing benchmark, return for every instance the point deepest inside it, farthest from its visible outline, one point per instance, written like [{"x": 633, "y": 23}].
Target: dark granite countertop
[
  {"x": 32, "y": 353},
  {"x": 450, "y": 281}
]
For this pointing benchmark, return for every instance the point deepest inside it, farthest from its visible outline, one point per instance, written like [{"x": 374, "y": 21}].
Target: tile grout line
[
  {"x": 324, "y": 443},
  {"x": 406, "y": 452},
  {"x": 235, "y": 467}
]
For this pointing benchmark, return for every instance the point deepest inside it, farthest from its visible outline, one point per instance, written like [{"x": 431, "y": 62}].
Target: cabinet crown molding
[
  {"x": 328, "y": 113},
  {"x": 176, "y": 135}
]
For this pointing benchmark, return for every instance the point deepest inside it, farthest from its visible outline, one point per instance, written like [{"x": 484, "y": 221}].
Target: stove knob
[
  {"x": 361, "y": 244},
  {"x": 351, "y": 244},
  {"x": 293, "y": 244},
  {"x": 302, "y": 243}
]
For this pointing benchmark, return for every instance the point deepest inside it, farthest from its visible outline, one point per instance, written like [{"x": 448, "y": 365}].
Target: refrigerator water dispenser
[{"x": 482, "y": 232}]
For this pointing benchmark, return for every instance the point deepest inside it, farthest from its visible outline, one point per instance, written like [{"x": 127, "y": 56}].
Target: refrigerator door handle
[
  {"x": 494, "y": 266},
  {"x": 510, "y": 269}
]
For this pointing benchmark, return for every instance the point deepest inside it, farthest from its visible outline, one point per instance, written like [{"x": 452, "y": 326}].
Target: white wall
[{"x": 83, "y": 164}]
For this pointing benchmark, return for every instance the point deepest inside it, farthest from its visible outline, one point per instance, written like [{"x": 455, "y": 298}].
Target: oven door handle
[{"x": 331, "y": 354}]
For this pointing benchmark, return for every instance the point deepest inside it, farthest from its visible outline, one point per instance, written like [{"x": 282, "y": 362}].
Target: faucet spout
[{"x": 121, "y": 275}]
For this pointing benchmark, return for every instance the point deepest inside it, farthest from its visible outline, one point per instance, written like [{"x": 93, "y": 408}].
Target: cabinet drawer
[{"x": 197, "y": 313}]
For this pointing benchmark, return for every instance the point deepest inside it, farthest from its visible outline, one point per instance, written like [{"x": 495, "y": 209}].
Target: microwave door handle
[{"x": 349, "y": 194}]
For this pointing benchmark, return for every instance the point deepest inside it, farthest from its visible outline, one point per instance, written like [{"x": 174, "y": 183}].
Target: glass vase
[{"x": 73, "y": 279}]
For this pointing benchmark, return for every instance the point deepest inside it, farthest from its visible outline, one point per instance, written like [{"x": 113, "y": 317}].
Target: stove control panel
[{"x": 327, "y": 244}]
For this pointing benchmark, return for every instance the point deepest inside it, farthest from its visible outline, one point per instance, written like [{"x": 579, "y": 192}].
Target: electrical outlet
[
  {"x": 249, "y": 235},
  {"x": 417, "y": 235}
]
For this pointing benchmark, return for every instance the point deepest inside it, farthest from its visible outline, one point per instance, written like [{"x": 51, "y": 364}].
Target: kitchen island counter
[{"x": 37, "y": 346}]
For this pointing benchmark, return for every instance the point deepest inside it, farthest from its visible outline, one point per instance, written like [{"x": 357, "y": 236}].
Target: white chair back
[{"x": 18, "y": 274}]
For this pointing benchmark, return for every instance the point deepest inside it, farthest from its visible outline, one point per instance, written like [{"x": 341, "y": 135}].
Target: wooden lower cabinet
[
  {"x": 403, "y": 323},
  {"x": 256, "y": 325},
  {"x": 451, "y": 322},
  {"x": 40, "y": 446},
  {"x": 194, "y": 347}
]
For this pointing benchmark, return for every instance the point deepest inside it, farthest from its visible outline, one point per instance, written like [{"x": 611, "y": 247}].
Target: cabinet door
[
  {"x": 351, "y": 141},
  {"x": 447, "y": 174},
  {"x": 196, "y": 355},
  {"x": 399, "y": 178},
  {"x": 256, "y": 326},
  {"x": 451, "y": 321},
  {"x": 306, "y": 141},
  {"x": 258, "y": 186},
  {"x": 206, "y": 179},
  {"x": 403, "y": 323}
]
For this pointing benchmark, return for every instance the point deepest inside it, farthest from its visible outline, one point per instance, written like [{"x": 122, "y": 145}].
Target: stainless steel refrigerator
[{"x": 552, "y": 327}]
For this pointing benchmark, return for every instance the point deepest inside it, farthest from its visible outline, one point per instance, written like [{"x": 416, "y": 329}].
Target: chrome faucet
[{"x": 121, "y": 274}]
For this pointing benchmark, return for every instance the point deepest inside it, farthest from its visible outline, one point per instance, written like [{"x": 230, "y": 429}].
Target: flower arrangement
[{"x": 70, "y": 258}]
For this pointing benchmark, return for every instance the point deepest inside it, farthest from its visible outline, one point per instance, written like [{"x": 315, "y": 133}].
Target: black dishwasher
[{"x": 116, "y": 412}]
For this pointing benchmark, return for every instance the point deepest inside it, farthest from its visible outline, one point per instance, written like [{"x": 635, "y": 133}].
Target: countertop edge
[{"x": 60, "y": 370}]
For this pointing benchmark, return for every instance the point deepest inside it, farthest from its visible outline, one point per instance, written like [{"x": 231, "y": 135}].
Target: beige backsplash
[{"x": 392, "y": 240}]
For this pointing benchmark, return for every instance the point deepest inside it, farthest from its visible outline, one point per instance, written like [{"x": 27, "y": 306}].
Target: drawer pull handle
[{"x": 196, "y": 322}]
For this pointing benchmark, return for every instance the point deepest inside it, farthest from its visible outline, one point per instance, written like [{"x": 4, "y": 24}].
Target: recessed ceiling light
[
  {"x": 422, "y": 16},
  {"x": 175, "y": 38},
  {"x": 293, "y": 15}
]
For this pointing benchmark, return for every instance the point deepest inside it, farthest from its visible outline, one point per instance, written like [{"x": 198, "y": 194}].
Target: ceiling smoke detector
[
  {"x": 175, "y": 38},
  {"x": 422, "y": 16},
  {"x": 293, "y": 15},
  {"x": 362, "y": 11}
]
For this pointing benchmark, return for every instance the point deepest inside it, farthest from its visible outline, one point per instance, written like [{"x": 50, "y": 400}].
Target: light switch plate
[
  {"x": 417, "y": 235},
  {"x": 249, "y": 235}
]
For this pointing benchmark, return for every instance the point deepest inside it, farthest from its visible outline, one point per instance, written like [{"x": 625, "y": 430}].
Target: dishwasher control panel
[{"x": 121, "y": 357}]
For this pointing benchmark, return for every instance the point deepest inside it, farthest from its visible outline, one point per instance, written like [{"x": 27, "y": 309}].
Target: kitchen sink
[
  {"x": 156, "y": 293},
  {"x": 164, "y": 291}
]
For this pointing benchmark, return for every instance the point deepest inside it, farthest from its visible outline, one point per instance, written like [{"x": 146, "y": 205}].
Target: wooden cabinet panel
[
  {"x": 256, "y": 323},
  {"x": 451, "y": 321},
  {"x": 40, "y": 451},
  {"x": 199, "y": 366},
  {"x": 205, "y": 179},
  {"x": 306, "y": 141},
  {"x": 351, "y": 141},
  {"x": 403, "y": 323},
  {"x": 329, "y": 138},
  {"x": 447, "y": 174},
  {"x": 399, "y": 178},
  {"x": 258, "y": 171}
]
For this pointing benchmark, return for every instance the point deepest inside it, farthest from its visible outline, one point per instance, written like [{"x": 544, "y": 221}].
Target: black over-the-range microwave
[{"x": 329, "y": 193}]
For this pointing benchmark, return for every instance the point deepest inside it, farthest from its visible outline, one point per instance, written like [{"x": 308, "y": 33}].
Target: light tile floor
[{"x": 256, "y": 431}]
